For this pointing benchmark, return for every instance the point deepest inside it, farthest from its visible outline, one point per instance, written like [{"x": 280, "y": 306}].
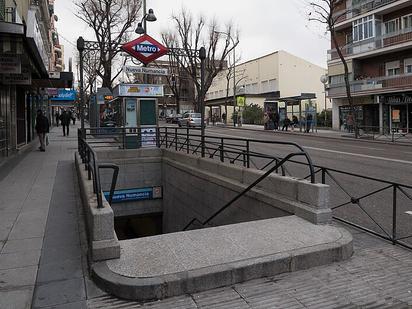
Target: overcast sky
[{"x": 265, "y": 25}]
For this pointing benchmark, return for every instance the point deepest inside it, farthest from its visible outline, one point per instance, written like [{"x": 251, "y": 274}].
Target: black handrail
[
  {"x": 250, "y": 187},
  {"x": 89, "y": 158}
]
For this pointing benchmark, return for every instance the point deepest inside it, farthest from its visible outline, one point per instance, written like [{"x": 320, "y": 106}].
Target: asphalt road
[{"x": 388, "y": 162}]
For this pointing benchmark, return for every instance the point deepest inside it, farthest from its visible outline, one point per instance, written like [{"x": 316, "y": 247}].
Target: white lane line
[
  {"x": 358, "y": 155},
  {"x": 340, "y": 152}
]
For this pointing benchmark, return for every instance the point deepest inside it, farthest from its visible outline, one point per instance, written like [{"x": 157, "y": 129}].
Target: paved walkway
[
  {"x": 42, "y": 254},
  {"x": 398, "y": 138}
]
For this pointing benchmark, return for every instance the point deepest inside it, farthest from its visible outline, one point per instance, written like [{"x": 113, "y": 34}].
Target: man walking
[
  {"x": 57, "y": 115},
  {"x": 65, "y": 120},
  {"x": 42, "y": 128}
]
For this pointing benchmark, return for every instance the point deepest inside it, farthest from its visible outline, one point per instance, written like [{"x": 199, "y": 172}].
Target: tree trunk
[{"x": 352, "y": 112}]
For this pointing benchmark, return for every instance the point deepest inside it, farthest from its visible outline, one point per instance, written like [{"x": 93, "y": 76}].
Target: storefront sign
[
  {"x": 65, "y": 95},
  {"x": 125, "y": 90},
  {"x": 138, "y": 194},
  {"x": 10, "y": 65},
  {"x": 399, "y": 99},
  {"x": 145, "y": 70},
  {"x": 54, "y": 75},
  {"x": 52, "y": 92},
  {"x": 17, "y": 79}
]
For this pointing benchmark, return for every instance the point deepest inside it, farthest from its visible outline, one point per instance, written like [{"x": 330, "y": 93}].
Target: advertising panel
[{"x": 140, "y": 90}]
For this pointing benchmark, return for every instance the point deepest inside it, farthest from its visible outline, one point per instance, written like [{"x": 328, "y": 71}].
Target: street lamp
[
  {"x": 234, "y": 73},
  {"x": 324, "y": 81},
  {"x": 150, "y": 16}
]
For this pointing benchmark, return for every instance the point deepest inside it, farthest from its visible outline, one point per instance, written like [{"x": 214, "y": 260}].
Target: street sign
[
  {"x": 145, "y": 70},
  {"x": 145, "y": 49}
]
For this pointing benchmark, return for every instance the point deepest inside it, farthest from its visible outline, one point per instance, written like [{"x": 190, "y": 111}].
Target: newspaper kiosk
[{"x": 139, "y": 110}]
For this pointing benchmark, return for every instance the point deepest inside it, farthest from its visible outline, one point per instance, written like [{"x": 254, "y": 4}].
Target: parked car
[
  {"x": 190, "y": 120},
  {"x": 173, "y": 118}
]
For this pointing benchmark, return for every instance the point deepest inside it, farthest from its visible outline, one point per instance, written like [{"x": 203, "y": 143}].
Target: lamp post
[
  {"x": 142, "y": 26},
  {"x": 147, "y": 16},
  {"x": 80, "y": 48},
  {"x": 324, "y": 81},
  {"x": 234, "y": 73}
]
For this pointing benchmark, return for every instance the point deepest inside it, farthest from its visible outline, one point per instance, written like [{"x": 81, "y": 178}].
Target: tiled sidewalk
[{"x": 40, "y": 189}]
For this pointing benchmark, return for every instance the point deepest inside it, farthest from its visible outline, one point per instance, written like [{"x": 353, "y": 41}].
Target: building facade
[
  {"x": 26, "y": 60},
  {"x": 267, "y": 80},
  {"x": 375, "y": 37}
]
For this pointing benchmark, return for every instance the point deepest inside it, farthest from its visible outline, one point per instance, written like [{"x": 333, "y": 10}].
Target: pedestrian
[
  {"x": 57, "y": 116},
  {"x": 74, "y": 118},
  {"x": 239, "y": 120},
  {"x": 286, "y": 124},
  {"x": 349, "y": 122},
  {"x": 295, "y": 122},
  {"x": 266, "y": 121},
  {"x": 309, "y": 118},
  {"x": 65, "y": 121},
  {"x": 276, "y": 119},
  {"x": 213, "y": 119},
  {"x": 224, "y": 118},
  {"x": 42, "y": 128}
]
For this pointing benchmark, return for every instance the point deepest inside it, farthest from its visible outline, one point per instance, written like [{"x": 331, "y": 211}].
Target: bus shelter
[
  {"x": 304, "y": 107},
  {"x": 138, "y": 111}
]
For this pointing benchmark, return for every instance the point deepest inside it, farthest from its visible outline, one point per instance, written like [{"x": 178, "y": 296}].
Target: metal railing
[
  {"x": 189, "y": 140},
  {"x": 372, "y": 84},
  {"x": 378, "y": 206},
  {"x": 361, "y": 8},
  {"x": 89, "y": 158}
]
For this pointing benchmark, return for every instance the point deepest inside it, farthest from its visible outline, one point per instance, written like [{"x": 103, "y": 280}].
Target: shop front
[{"x": 399, "y": 112}]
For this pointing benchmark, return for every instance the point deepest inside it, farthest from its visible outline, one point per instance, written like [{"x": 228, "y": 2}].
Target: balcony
[
  {"x": 373, "y": 86},
  {"x": 361, "y": 8},
  {"x": 377, "y": 44}
]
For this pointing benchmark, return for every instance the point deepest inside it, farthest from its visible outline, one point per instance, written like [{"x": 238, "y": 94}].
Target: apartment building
[
  {"x": 376, "y": 39},
  {"x": 269, "y": 81},
  {"x": 26, "y": 61}
]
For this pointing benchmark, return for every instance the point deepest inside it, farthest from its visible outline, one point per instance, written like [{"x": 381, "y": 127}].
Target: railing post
[
  {"x": 158, "y": 137},
  {"x": 187, "y": 140},
  {"x": 176, "y": 139},
  {"x": 323, "y": 175},
  {"x": 222, "y": 154},
  {"x": 394, "y": 215},
  {"x": 248, "y": 154},
  {"x": 89, "y": 173},
  {"x": 166, "y": 138}
]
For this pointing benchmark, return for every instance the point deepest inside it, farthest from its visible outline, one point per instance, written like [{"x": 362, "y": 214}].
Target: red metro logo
[{"x": 145, "y": 49}]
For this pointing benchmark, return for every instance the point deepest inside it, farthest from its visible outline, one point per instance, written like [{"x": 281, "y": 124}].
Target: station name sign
[
  {"x": 138, "y": 194},
  {"x": 145, "y": 70}
]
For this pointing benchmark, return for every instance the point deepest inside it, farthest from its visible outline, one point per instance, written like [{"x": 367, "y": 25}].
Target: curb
[{"x": 325, "y": 137}]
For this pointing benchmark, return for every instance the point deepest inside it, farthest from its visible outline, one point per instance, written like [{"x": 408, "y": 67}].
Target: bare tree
[
  {"x": 329, "y": 13},
  {"x": 111, "y": 21},
  {"x": 191, "y": 34},
  {"x": 231, "y": 70}
]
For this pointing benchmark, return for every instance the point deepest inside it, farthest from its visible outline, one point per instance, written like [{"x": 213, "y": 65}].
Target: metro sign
[{"x": 145, "y": 49}]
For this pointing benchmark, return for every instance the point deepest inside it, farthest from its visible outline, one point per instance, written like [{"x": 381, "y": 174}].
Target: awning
[{"x": 60, "y": 80}]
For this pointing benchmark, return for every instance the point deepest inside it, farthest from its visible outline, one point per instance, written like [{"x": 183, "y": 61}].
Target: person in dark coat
[
  {"x": 286, "y": 124},
  {"x": 57, "y": 118},
  {"x": 42, "y": 128},
  {"x": 65, "y": 119}
]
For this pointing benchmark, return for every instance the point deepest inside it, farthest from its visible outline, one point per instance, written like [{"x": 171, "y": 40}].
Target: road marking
[
  {"x": 358, "y": 155},
  {"x": 340, "y": 152}
]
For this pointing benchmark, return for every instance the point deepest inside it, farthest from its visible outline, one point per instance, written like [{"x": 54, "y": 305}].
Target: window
[
  {"x": 392, "y": 68},
  {"x": 393, "y": 25},
  {"x": 337, "y": 79},
  {"x": 408, "y": 65},
  {"x": 363, "y": 28},
  {"x": 407, "y": 21}
]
